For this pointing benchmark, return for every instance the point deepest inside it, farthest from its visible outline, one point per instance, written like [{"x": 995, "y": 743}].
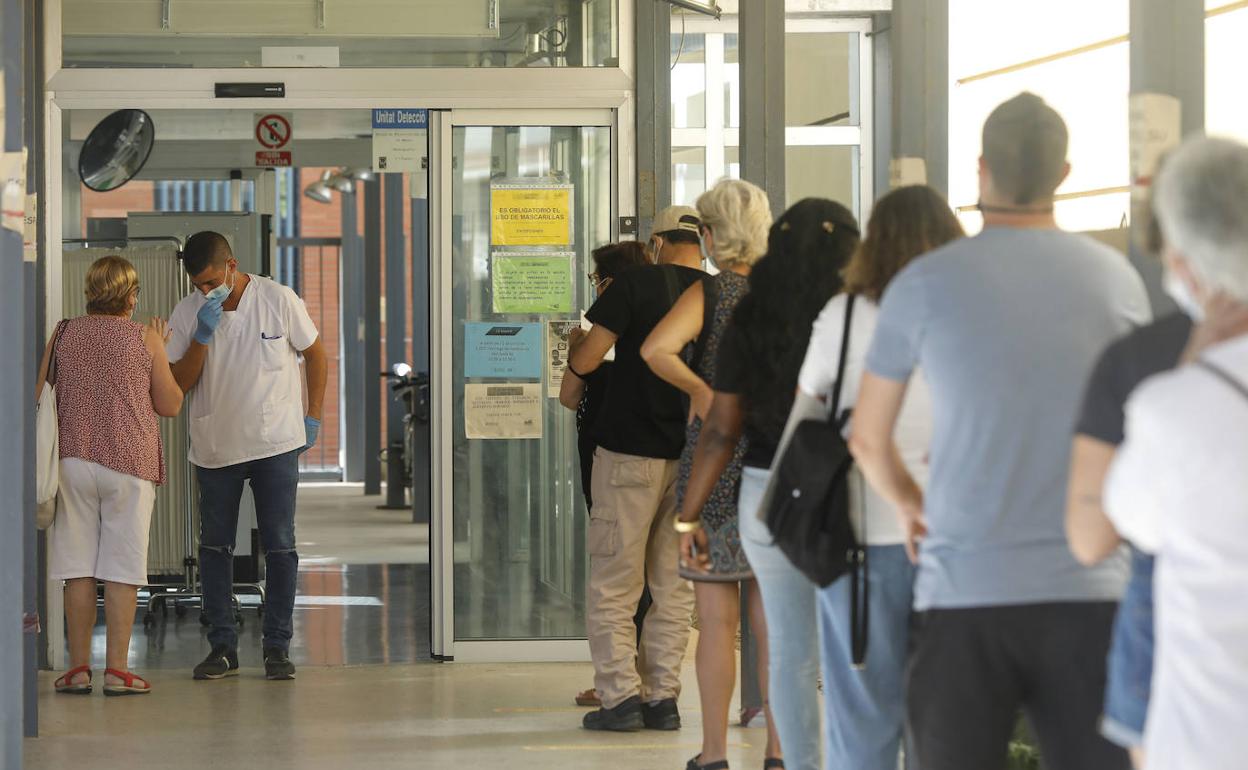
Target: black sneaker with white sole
[
  {"x": 220, "y": 663},
  {"x": 277, "y": 665}
]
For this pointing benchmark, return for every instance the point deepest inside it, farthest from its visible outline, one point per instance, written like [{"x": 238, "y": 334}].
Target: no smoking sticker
[{"x": 273, "y": 133}]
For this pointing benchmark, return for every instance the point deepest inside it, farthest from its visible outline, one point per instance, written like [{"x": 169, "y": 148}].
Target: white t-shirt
[
  {"x": 1177, "y": 489},
  {"x": 248, "y": 403},
  {"x": 914, "y": 425}
]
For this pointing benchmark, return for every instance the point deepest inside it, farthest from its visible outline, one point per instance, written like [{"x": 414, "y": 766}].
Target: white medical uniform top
[
  {"x": 248, "y": 403},
  {"x": 1177, "y": 490}
]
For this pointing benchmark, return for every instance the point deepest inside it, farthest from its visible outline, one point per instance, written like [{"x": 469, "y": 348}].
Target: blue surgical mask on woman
[{"x": 1182, "y": 295}]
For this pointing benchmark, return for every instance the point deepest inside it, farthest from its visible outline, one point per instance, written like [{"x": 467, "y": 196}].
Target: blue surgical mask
[
  {"x": 223, "y": 291},
  {"x": 706, "y": 256},
  {"x": 1178, "y": 290}
]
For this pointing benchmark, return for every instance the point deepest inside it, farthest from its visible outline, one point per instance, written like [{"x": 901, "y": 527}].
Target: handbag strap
[
  {"x": 840, "y": 364},
  {"x": 859, "y": 593},
  {"x": 56, "y": 339},
  {"x": 1225, "y": 376}
]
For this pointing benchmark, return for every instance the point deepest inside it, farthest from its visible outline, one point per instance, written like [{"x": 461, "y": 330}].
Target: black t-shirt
[
  {"x": 642, "y": 415},
  {"x": 731, "y": 376},
  {"x": 1124, "y": 365}
]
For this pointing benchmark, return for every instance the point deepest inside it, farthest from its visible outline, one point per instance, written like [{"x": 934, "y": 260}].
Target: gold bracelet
[{"x": 685, "y": 527}]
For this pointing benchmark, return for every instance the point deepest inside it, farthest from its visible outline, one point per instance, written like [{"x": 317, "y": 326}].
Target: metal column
[
  {"x": 919, "y": 40},
  {"x": 16, "y": 429},
  {"x": 1167, "y": 57},
  {"x": 654, "y": 135},
  {"x": 372, "y": 337},
  {"x": 762, "y": 98},
  {"x": 352, "y": 369},
  {"x": 422, "y": 445},
  {"x": 396, "y": 324}
]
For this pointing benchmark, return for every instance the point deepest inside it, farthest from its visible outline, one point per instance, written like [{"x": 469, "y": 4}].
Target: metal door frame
[{"x": 441, "y": 531}]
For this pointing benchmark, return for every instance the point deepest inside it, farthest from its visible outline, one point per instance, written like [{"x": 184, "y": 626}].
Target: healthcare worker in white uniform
[{"x": 236, "y": 342}]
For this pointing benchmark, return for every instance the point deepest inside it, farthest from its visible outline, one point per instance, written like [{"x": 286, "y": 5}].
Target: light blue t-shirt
[{"x": 1006, "y": 327}]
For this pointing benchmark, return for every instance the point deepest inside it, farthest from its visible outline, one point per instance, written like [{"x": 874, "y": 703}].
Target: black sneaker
[
  {"x": 624, "y": 718},
  {"x": 277, "y": 664},
  {"x": 661, "y": 715},
  {"x": 220, "y": 663}
]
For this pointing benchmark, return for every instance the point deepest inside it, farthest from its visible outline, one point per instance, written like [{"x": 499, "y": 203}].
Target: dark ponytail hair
[{"x": 807, "y": 248}]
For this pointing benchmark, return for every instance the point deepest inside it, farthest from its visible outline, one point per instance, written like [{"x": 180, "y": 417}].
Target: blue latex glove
[
  {"x": 207, "y": 319},
  {"x": 312, "y": 429}
]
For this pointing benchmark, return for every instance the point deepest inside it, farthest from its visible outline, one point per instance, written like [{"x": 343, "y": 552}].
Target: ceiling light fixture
[
  {"x": 320, "y": 191},
  {"x": 709, "y": 7}
]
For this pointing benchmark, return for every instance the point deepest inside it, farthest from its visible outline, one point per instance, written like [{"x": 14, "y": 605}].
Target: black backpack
[{"x": 809, "y": 514}]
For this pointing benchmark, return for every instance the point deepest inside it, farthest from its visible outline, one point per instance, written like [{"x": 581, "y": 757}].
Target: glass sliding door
[{"x": 528, "y": 199}]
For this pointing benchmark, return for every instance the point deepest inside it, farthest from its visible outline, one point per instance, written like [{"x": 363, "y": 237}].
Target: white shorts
[{"x": 101, "y": 526}]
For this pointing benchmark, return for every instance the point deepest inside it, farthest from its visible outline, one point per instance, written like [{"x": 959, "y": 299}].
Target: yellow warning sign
[{"x": 532, "y": 216}]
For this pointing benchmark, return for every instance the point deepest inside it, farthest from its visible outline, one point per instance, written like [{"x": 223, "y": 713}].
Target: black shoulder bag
[{"x": 809, "y": 515}]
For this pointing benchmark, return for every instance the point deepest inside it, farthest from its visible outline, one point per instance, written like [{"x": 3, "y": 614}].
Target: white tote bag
[{"x": 48, "y": 445}]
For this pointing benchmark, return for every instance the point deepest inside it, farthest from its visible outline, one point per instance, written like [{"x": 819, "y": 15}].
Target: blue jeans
[
  {"x": 1130, "y": 665},
  {"x": 274, "y": 482},
  {"x": 789, "y": 603},
  {"x": 866, "y": 709}
]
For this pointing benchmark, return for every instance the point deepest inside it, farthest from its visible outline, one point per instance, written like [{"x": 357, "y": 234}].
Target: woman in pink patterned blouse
[{"x": 112, "y": 380}]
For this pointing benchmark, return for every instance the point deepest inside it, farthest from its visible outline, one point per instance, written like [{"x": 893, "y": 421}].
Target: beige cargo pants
[{"x": 631, "y": 543}]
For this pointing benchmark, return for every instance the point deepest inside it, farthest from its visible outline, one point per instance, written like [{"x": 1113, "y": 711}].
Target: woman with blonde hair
[
  {"x": 112, "y": 380},
  {"x": 735, "y": 218}
]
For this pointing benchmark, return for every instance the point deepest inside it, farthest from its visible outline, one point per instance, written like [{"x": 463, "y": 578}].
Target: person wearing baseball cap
[
  {"x": 674, "y": 237},
  {"x": 640, "y": 433}
]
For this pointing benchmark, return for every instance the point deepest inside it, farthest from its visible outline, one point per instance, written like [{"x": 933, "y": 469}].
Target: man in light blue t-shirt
[{"x": 1006, "y": 327}]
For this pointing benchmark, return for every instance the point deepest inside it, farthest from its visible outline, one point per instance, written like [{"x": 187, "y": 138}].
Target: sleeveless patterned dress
[
  {"x": 103, "y": 397},
  {"x": 719, "y": 515}
]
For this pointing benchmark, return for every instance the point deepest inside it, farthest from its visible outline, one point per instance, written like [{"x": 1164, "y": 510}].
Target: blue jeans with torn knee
[{"x": 274, "y": 483}]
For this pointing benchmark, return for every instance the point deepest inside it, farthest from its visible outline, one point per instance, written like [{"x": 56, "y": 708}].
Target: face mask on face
[
  {"x": 706, "y": 255},
  {"x": 224, "y": 290},
  {"x": 1182, "y": 296}
]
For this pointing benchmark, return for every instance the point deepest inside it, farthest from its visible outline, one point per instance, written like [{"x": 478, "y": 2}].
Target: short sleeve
[
  {"x": 818, "y": 370},
  {"x": 1132, "y": 489},
  {"x": 299, "y": 327},
  {"x": 613, "y": 310},
  {"x": 732, "y": 367},
  {"x": 181, "y": 328},
  {"x": 894, "y": 352},
  {"x": 1101, "y": 415}
]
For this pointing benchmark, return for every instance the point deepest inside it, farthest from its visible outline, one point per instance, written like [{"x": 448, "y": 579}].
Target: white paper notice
[
  {"x": 13, "y": 199},
  {"x": 903, "y": 172},
  {"x": 503, "y": 411},
  {"x": 30, "y": 234},
  {"x": 400, "y": 140},
  {"x": 1156, "y": 128},
  {"x": 557, "y": 333}
]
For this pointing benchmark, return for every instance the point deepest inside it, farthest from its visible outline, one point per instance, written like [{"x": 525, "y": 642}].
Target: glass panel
[
  {"x": 1226, "y": 59},
  {"x": 519, "y": 513},
  {"x": 732, "y": 162},
  {"x": 821, "y": 172},
  {"x": 361, "y": 33},
  {"x": 819, "y": 87},
  {"x": 688, "y": 174},
  {"x": 732, "y": 81},
  {"x": 688, "y": 80}
]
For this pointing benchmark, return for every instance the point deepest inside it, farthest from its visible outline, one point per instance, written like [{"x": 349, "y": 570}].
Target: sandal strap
[
  {"x": 773, "y": 762},
  {"x": 128, "y": 677},
  {"x": 693, "y": 764},
  {"x": 69, "y": 675}
]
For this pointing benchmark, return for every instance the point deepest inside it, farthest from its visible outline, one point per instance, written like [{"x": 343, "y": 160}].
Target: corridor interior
[{"x": 367, "y": 691}]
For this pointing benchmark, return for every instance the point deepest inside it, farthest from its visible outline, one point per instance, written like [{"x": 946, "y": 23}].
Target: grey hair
[
  {"x": 1202, "y": 207},
  {"x": 739, "y": 216}
]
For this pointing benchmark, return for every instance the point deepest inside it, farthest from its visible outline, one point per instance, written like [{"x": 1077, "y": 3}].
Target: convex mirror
[{"x": 116, "y": 150}]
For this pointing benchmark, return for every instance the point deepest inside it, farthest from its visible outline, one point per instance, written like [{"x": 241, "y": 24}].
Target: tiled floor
[
  {"x": 458, "y": 715},
  {"x": 367, "y": 695}
]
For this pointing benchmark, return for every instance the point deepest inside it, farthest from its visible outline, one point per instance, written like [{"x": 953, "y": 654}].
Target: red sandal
[
  {"x": 65, "y": 683},
  {"x": 128, "y": 687}
]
